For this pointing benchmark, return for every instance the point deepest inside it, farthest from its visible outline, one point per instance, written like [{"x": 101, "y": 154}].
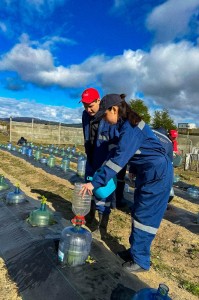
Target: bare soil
[{"x": 175, "y": 250}]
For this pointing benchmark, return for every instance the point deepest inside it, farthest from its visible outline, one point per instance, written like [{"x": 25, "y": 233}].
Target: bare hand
[{"x": 86, "y": 188}]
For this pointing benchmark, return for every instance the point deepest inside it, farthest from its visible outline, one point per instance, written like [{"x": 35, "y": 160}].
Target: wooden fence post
[
  {"x": 59, "y": 133},
  {"x": 32, "y": 130},
  {"x": 10, "y": 129}
]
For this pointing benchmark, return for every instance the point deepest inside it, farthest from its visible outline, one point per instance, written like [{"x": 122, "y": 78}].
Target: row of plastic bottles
[
  {"x": 70, "y": 151},
  {"x": 193, "y": 191},
  {"x": 50, "y": 161}
]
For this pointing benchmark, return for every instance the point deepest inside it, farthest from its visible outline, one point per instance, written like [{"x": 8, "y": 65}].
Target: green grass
[{"x": 193, "y": 288}]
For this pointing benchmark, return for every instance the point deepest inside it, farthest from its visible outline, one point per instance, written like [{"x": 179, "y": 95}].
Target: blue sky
[{"x": 51, "y": 50}]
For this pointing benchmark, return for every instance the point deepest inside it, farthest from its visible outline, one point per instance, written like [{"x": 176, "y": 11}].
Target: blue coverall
[
  {"x": 153, "y": 169},
  {"x": 165, "y": 141},
  {"x": 105, "y": 143}
]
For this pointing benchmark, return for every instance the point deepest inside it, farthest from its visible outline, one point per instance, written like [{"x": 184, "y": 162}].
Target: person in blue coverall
[
  {"x": 154, "y": 175},
  {"x": 99, "y": 138}
]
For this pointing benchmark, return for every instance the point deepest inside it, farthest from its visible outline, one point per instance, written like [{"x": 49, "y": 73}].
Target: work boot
[
  {"x": 125, "y": 255},
  {"x": 90, "y": 217},
  {"x": 101, "y": 230},
  {"x": 132, "y": 267}
]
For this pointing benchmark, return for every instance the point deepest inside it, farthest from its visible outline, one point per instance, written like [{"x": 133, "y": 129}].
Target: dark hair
[{"x": 125, "y": 112}]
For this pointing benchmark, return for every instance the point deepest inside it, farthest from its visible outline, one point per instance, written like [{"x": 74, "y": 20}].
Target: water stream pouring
[
  {"x": 3, "y": 186},
  {"x": 146, "y": 294},
  {"x": 42, "y": 216},
  {"x": 75, "y": 241},
  {"x": 15, "y": 197}
]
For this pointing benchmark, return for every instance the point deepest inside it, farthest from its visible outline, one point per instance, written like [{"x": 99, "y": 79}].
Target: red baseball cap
[{"x": 90, "y": 95}]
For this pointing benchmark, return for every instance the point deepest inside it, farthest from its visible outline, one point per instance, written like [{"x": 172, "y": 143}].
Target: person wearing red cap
[
  {"x": 99, "y": 138},
  {"x": 139, "y": 146}
]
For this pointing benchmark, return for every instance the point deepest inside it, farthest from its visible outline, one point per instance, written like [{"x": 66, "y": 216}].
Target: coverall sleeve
[{"x": 130, "y": 140}]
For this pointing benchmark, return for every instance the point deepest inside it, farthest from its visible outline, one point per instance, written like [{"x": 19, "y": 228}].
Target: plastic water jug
[
  {"x": 176, "y": 178},
  {"x": 9, "y": 147},
  {"x": 51, "y": 161},
  {"x": 68, "y": 150},
  {"x": 80, "y": 205},
  {"x": 62, "y": 153},
  {"x": 3, "y": 186},
  {"x": 43, "y": 160},
  {"x": 104, "y": 191},
  {"x": 23, "y": 150},
  {"x": 73, "y": 150},
  {"x": 193, "y": 192},
  {"x": 152, "y": 294},
  {"x": 29, "y": 151},
  {"x": 56, "y": 150},
  {"x": 65, "y": 164},
  {"x": 74, "y": 246},
  {"x": 15, "y": 197},
  {"x": 42, "y": 216},
  {"x": 37, "y": 154},
  {"x": 81, "y": 165}
]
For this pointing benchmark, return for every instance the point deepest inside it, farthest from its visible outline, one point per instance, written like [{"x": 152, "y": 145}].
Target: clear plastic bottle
[
  {"x": 51, "y": 161},
  {"x": 81, "y": 165},
  {"x": 9, "y": 146},
  {"x": 65, "y": 164},
  {"x": 74, "y": 245},
  {"x": 3, "y": 186},
  {"x": 193, "y": 192},
  {"x": 37, "y": 154},
  {"x": 80, "y": 205},
  {"x": 15, "y": 197},
  {"x": 153, "y": 294},
  {"x": 23, "y": 150},
  {"x": 42, "y": 216},
  {"x": 176, "y": 178},
  {"x": 29, "y": 151},
  {"x": 73, "y": 150},
  {"x": 43, "y": 160},
  {"x": 62, "y": 153}
]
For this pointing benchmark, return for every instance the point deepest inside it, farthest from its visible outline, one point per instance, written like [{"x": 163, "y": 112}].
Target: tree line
[{"x": 161, "y": 118}]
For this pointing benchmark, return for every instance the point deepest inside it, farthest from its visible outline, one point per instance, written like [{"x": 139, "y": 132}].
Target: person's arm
[{"x": 130, "y": 141}]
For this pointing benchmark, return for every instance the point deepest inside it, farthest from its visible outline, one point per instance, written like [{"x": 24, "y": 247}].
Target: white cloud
[
  {"x": 27, "y": 108},
  {"x": 171, "y": 19},
  {"x": 167, "y": 75}
]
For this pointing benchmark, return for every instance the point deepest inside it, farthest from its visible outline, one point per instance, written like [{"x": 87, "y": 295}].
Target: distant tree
[
  {"x": 141, "y": 109},
  {"x": 161, "y": 118}
]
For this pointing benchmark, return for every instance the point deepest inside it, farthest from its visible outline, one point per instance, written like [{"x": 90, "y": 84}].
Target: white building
[{"x": 187, "y": 126}]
